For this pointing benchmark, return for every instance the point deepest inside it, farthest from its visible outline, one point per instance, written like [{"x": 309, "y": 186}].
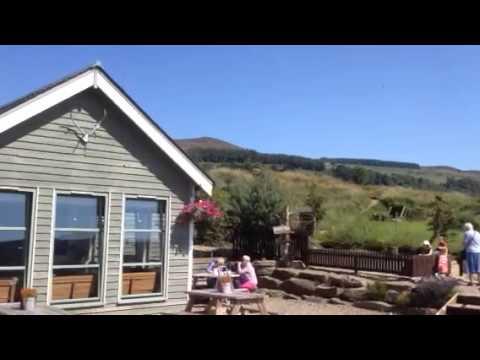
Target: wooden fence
[
  {"x": 406, "y": 265},
  {"x": 267, "y": 247}
]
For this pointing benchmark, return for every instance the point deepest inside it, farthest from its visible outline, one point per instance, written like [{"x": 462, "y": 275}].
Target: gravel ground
[
  {"x": 279, "y": 306},
  {"x": 301, "y": 307}
]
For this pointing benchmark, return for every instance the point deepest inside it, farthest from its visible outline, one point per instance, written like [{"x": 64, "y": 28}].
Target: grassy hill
[
  {"x": 349, "y": 206},
  {"x": 198, "y": 148},
  {"x": 205, "y": 143}
]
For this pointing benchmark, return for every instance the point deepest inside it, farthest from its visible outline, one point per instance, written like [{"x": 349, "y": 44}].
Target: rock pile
[{"x": 320, "y": 286}]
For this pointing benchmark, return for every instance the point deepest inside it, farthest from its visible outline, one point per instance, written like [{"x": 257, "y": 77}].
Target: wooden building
[{"x": 90, "y": 192}]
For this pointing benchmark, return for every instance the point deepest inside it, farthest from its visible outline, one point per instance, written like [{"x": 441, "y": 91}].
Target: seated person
[
  {"x": 215, "y": 266},
  {"x": 248, "y": 278}
]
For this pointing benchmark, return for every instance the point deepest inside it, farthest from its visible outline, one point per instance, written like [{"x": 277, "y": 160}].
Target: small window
[
  {"x": 144, "y": 247},
  {"x": 15, "y": 219},
  {"x": 78, "y": 247}
]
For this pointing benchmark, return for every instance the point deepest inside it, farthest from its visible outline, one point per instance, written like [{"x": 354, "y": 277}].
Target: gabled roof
[{"x": 94, "y": 76}]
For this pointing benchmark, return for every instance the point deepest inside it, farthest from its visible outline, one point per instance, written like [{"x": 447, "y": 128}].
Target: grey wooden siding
[{"x": 44, "y": 152}]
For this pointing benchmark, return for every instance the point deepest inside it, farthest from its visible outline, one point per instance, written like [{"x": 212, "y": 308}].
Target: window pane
[
  {"x": 145, "y": 214},
  {"x": 7, "y": 289},
  {"x": 74, "y": 284},
  {"x": 77, "y": 247},
  {"x": 142, "y": 280},
  {"x": 143, "y": 247},
  {"x": 75, "y": 211},
  {"x": 14, "y": 209},
  {"x": 13, "y": 245}
]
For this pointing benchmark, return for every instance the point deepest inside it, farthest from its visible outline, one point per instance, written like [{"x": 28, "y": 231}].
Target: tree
[
  {"x": 254, "y": 209},
  {"x": 442, "y": 218},
  {"x": 316, "y": 202}
]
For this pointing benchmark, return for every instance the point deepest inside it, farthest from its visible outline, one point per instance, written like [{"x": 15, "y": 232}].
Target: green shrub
[
  {"x": 374, "y": 245},
  {"x": 376, "y": 291},
  {"x": 403, "y": 299},
  {"x": 433, "y": 293},
  {"x": 408, "y": 250}
]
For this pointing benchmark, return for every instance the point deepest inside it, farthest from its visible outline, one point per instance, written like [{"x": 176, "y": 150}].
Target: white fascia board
[
  {"x": 95, "y": 78},
  {"x": 153, "y": 133},
  {"x": 45, "y": 101}
]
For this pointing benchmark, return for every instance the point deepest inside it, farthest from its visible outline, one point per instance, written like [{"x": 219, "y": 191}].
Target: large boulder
[
  {"x": 298, "y": 286},
  {"x": 264, "y": 263},
  {"x": 391, "y": 296},
  {"x": 298, "y": 264},
  {"x": 399, "y": 285},
  {"x": 268, "y": 282},
  {"x": 345, "y": 281},
  {"x": 265, "y": 271},
  {"x": 373, "y": 305},
  {"x": 264, "y": 267},
  {"x": 313, "y": 275},
  {"x": 285, "y": 274},
  {"x": 326, "y": 291},
  {"x": 355, "y": 294}
]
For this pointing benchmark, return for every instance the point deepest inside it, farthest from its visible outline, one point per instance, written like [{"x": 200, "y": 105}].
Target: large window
[
  {"x": 78, "y": 247},
  {"x": 15, "y": 219},
  {"x": 144, "y": 247}
]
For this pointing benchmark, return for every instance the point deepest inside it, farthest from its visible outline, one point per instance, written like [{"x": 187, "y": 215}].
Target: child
[
  {"x": 442, "y": 260},
  {"x": 215, "y": 267}
]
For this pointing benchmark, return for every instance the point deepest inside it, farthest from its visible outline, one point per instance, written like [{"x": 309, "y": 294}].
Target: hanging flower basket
[{"x": 201, "y": 210}]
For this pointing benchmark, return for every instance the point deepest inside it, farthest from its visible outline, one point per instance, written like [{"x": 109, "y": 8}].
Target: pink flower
[{"x": 201, "y": 210}]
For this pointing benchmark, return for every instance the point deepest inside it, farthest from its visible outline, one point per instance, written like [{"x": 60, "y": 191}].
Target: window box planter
[
  {"x": 139, "y": 282},
  {"x": 8, "y": 288},
  {"x": 72, "y": 287}
]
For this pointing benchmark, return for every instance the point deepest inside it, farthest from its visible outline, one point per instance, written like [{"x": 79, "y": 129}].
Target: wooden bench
[{"x": 216, "y": 301}]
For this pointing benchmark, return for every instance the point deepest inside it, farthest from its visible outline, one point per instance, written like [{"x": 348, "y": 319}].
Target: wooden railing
[{"x": 358, "y": 260}]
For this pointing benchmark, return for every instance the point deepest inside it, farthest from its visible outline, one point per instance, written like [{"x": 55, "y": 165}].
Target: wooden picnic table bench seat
[{"x": 237, "y": 298}]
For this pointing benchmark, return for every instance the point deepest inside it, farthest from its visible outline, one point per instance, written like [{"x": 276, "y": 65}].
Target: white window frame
[
  {"x": 102, "y": 266},
  {"x": 29, "y": 263},
  {"x": 143, "y": 298}
]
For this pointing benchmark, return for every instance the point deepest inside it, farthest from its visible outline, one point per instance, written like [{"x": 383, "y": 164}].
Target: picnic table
[
  {"x": 207, "y": 275},
  {"x": 237, "y": 298}
]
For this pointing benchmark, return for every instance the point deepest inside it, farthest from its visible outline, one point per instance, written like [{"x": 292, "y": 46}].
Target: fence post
[{"x": 355, "y": 263}]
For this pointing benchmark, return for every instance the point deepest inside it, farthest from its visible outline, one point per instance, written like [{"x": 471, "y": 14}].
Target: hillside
[
  {"x": 355, "y": 193},
  {"x": 205, "y": 143},
  {"x": 209, "y": 151},
  {"x": 349, "y": 206}
]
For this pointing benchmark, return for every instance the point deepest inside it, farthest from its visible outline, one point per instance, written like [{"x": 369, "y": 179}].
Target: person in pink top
[
  {"x": 442, "y": 259},
  {"x": 248, "y": 278}
]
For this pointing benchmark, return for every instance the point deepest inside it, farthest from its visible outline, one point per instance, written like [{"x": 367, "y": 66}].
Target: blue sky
[{"x": 405, "y": 103}]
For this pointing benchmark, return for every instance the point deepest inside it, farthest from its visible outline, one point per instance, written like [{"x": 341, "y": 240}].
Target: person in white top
[
  {"x": 471, "y": 246},
  {"x": 248, "y": 278}
]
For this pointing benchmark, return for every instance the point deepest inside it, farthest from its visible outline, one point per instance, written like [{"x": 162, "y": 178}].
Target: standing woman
[
  {"x": 471, "y": 246},
  {"x": 248, "y": 278}
]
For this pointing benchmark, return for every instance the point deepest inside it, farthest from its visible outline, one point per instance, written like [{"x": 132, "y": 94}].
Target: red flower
[{"x": 201, "y": 210}]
